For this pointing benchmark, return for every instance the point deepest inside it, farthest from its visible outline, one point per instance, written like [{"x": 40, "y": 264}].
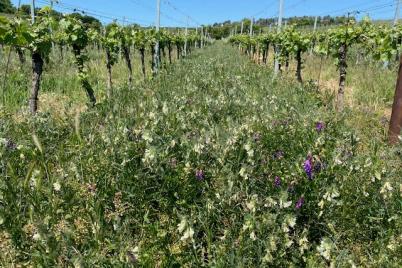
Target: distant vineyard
[
  {"x": 376, "y": 42},
  {"x": 47, "y": 33}
]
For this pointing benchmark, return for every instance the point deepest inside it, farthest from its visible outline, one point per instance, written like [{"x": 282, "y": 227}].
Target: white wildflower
[
  {"x": 289, "y": 222},
  {"x": 270, "y": 202},
  {"x": 198, "y": 148},
  {"x": 36, "y": 237},
  {"x": 392, "y": 245},
  {"x": 188, "y": 235},
  {"x": 152, "y": 115},
  {"x": 248, "y": 225},
  {"x": 253, "y": 236},
  {"x": 136, "y": 252},
  {"x": 321, "y": 204},
  {"x": 173, "y": 143},
  {"x": 268, "y": 258},
  {"x": 165, "y": 108},
  {"x": 187, "y": 168},
  {"x": 243, "y": 173},
  {"x": 149, "y": 155},
  {"x": 272, "y": 243},
  {"x": 284, "y": 203},
  {"x": 320, "y": 214},
  {"x": 249, "y": 150},
  {"x": 34, "y": 176},
  {"x": 146, "y": 136},
  {"x": 288, "y": 242},
  {"x": 251, "y": 205},
  {"x": 303, "y": 244},
  {"x": 386, "y": 190},
  {"x": 182, "y": 225},
  {"x": 325, "y": 248},
  {"x": 57, "y": 186}
]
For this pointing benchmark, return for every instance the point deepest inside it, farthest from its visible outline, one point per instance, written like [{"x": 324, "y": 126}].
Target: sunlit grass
[{"x": 204, "y": 165}]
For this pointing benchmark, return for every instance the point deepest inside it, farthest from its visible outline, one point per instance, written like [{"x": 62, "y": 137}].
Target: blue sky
[{"x": 174, "y": 12}]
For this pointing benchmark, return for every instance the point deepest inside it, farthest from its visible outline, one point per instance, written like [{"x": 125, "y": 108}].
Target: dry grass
[{"x": 368, "y": 93}]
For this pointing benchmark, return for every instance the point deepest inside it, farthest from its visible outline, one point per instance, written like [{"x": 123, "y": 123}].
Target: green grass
[
  {"x": 117, "y": 185},
  {"x": 60, "y": 82}
]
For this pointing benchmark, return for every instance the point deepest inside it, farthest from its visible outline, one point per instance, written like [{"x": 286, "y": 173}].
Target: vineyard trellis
[
  {"x": 379, "y": 42},
  {"x": 40, "y": 37}
]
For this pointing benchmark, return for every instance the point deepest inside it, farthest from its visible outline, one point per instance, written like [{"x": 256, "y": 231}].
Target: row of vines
[
  {"x": 40, "y": 38},
  {"x": 379, "y": 43}
]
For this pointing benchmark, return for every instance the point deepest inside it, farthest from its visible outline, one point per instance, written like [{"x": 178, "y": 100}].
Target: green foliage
[
  {"x": 126, "y": 37},
  {"x": 178, "y": 40},
  {"x": 112, "y": 41},
  {"x": 152, "y": 37},
  {"x": 88, "y": 21},
  {"x": 39, "y": 37},
  {"x": 25, "y": 10},
  {"x": 19, "y": 33},
  {"x": 139, "y": 39},
  {"x": 347, "y": 34},
  {"x": 6, "y": 7},
  {"x": 295, "y": 41},
  {"x": 14, "y": 32},
  {"x": 182, "y": 172},
  {"x": 382, "y": 42},
  {"x": 73, "y": 32},
  {"x": 379, "y": 42}
]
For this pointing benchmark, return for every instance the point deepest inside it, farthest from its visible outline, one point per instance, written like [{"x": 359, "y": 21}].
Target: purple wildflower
[
  {"x": 257, "y": 137},
  {"x": 278, "y": 154},
  {"x": 277, "y": 182},
  {"x": 10, "y": 145},
  {"x": 300, "y": 203},
  {"x": 200, "y": 175},
  {"x": 320, "y": 126},
  {"x": 308, "y": 167}
]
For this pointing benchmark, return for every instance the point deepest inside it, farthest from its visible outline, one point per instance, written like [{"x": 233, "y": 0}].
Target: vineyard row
[
  {"x": 69, "y": 32},
  {"x": 378, "y": 42}
]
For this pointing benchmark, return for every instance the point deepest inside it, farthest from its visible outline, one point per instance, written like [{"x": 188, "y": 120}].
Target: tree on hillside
[
  {"x": 6, "y": 6},
  {"x": 25, "y": 10},
  {"x": 88, "y": 21}
]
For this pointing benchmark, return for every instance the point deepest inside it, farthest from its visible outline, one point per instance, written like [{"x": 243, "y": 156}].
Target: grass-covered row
[{"x": 212, "y": 164}]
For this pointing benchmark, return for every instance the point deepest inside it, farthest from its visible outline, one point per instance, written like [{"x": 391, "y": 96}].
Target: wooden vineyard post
[
  {"x": 342, "y": 77},
  {"x": 277, "y": 48},
  {"x": 396, "y": 117},
  {"x": 251, "y": 27},
  {"x": 156, "y": 48},
  {"x": 241, "y": 32},
  {"x": 33, "y": 11}
]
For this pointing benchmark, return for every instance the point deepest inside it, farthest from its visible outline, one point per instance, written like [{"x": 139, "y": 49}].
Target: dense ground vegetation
[
  {"x": 213, "y": 163},
  {"x": 371, "y": 45}
]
